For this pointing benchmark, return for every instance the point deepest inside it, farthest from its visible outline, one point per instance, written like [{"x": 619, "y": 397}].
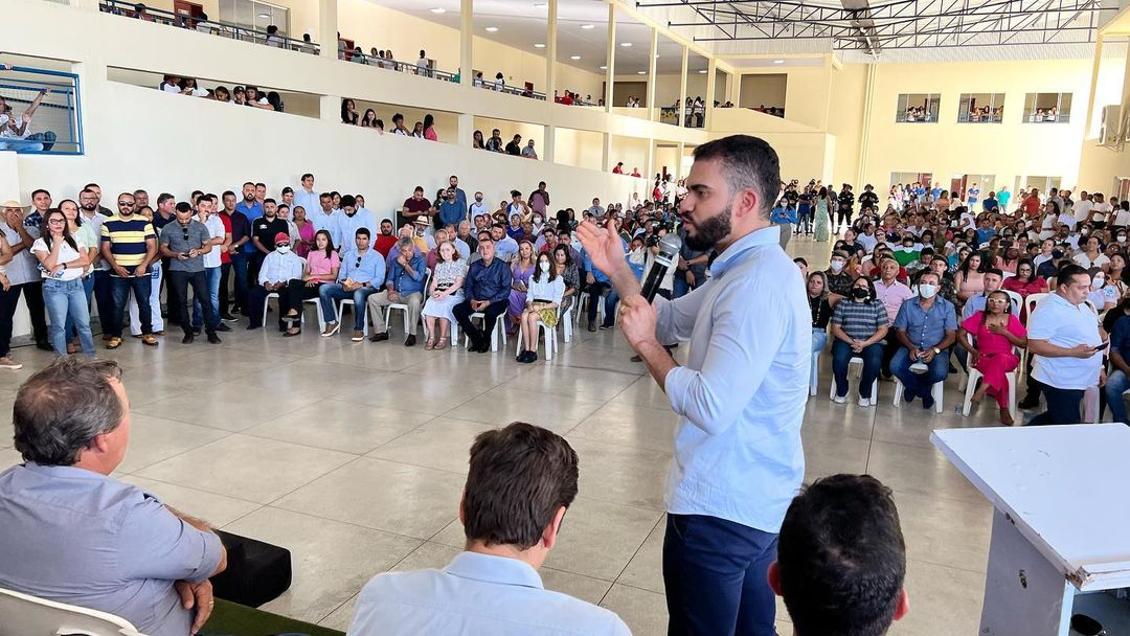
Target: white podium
[{"x": 1061, "y": 526}]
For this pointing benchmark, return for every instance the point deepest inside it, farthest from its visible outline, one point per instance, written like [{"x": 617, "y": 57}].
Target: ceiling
[{"x": 522, "y": 24}]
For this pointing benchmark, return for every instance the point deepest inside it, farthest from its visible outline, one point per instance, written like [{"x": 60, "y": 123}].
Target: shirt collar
[
  {"x": 494, "y": 569},
  {"x": 765, "y": 236},
  {"x": 64, "y": 472}
]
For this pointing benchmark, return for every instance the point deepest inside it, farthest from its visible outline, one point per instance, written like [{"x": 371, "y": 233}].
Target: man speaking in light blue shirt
[
  {"x": 520, "y": 482},
  {"x": 738, "y": 458}
]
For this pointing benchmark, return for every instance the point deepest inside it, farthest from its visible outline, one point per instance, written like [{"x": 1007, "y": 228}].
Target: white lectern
[{"x": 1061, "y": 525}]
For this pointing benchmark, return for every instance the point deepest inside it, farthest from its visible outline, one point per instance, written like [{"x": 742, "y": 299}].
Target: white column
[
  {"x": 649, "y": 164},
  {"x": 327, "y": 28},
  {"x": 610, "y": 74},
  {"x": 651, "y": 75},
  {"x": 466, "y": 127},
  {"x": 549, "y": 146},
  {"x": 711, "y": 71},
  {"x": 466, "y": 40},
  {"x": 551, "y": 51},
  {"x": 682, "y": 89},
  {"x": 606, "y": 152},
  {"x": 329, "y": 108},
  {"x": 682, "y": 149}
]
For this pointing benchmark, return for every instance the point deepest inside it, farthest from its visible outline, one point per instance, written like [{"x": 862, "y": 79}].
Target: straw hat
[{"x": 12, "y": 203}]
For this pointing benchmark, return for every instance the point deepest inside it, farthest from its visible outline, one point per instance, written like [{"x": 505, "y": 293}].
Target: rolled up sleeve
[
  {"x": 162, "y": 546},
  {"x": 740, "y": 352}
]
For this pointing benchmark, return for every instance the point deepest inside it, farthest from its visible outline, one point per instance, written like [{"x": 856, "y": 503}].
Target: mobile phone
[{"x": 1101, "y": 346}]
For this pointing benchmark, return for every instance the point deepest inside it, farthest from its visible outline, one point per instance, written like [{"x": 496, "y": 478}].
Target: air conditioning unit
[{"x": 1110, "y": 129}]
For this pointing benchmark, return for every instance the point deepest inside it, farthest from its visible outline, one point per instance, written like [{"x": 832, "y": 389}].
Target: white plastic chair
[
  {"x": 402, "y": 307},
  {"x": 364, "y": 314},
  {"x": 936, "y": 391},
  {"x": 275, "y": 295},
  {"x": 856, "y": 362},
  {"x": 1029, "y": 306},
  {"x": 566, "y": 323},
  {"x": 498, "y": 333},
  {"x": 971, "y": 388},
  {"x": 814, "y": 381},
  {"x": 318, "y": 307},
  {"x": 26, "y": 615},
  {"x": 582, "y": 299},
  {"x": 550, "y": 337}
]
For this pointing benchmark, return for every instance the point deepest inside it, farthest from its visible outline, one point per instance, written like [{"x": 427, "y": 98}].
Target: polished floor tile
[
  {"x": 153, "y": 439},
  {"x": 341, "y": 425},
  {"x": 442, "y": 443}
]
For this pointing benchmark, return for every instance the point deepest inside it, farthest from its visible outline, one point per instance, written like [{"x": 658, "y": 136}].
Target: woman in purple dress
[{"x": 522, "y": 268}]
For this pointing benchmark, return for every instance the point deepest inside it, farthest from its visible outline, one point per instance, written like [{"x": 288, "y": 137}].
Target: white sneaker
[
  {"x": 840, "y": 399},
  {"x": 865, "y": 402},
  {"x": 8, "y": 363}
]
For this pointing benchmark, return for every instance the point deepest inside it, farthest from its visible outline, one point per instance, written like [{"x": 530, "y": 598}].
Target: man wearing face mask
[
  {"x": 839, "y": 280},
  {"x": 281, "y": 274},
  {"x": 925, "y": 327}
]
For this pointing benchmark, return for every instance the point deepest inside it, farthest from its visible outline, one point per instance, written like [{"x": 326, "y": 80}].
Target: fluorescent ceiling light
[
  {"x": 778, "y": 61},
  {"x": 702, "y": 72},
  {"x": 625, "y": 44},
  {"x": 539, "y": 45},
  {"x": 641, "y": 72},
  {"x": 574, "y": 57},
  {"x": 604, "y": 67},
  {"x": 492, "y": 29},
  {"x": 265, "y": 16},
  {"x": 539, "y": 4},
  {"x": 588, "y": 26},
  {"x": 438, "y": 10}
]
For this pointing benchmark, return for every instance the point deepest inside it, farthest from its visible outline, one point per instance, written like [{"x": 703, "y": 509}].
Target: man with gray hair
[
  {"x": 404, "y": 285},
  {"x": 70, "y": 533}
]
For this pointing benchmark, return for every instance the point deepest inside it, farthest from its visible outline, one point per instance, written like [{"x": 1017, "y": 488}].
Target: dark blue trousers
[{"x": 716, "y": 576}]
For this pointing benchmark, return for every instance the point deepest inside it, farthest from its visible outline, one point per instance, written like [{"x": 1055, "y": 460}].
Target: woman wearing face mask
[
  {"x": 839, "y": 279},
  {"x": 859, "y": 326},
  {"x": 995, "y": 331},
  {"x": 1102, "y": 295},
  {"x": 545, "y": 293},
  {"x": 819, "y": 302}
]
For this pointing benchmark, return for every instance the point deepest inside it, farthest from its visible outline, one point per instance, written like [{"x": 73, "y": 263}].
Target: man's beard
[{"x": 711, "y": 231}]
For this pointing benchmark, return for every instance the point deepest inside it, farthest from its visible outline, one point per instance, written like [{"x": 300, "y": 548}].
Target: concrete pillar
[
  {"x": 736, "y": 94},
  {"x": 649, "y": 164},
  {"x": 606, "y": 152},
  {"x": 329, "y": 108},
  {"x": 327, "y": 28},
  {"x": 610, "y": 73},
  {"x": 466, "y": 40},
  {"x": 683, "y": 88},
  {"x": 652, "y": 111},
  {"x": 711, "y": 71},
  {"x": 549, "y": 146},
  {"x": 679, "y": 164},
  {"x": 551, "y": 51},
  {"x": 466, "y": 128}
]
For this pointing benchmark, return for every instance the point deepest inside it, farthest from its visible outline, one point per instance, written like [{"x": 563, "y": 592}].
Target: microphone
[{"x": 668, "y": 250}]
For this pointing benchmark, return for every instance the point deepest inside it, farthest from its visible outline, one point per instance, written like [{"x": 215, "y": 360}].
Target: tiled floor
[{"x": 353, "y": 457}]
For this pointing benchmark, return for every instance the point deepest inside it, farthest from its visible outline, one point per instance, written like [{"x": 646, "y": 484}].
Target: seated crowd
[
  {"x": 905, "y": 289},
  {"x": 72, "y": 533},
  {"x": 240, "y": 95}
]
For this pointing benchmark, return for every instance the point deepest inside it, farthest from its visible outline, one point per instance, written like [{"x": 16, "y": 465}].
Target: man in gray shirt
[
  {"x": 185, "y": 242},
  {"x": 70, "y": 533}
]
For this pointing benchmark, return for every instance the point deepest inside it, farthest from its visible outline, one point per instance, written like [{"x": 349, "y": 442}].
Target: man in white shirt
[
  {"x": 1082, "y": 208},
  {"x": 325, "y": 217},
  {"x": 306, "y": 196},
  {"x": 1063, "y": 336},
  {"x": 478, "y": 208},
  {"x": 280, "y": 274},
  {"x": 206, "y": 214},
  {"x": 521, "y": 480}
]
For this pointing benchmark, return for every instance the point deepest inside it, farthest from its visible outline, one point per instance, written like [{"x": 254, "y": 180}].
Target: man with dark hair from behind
[
  {"x": 522, "y": 478},
  {"x": 841, "y": 559}
]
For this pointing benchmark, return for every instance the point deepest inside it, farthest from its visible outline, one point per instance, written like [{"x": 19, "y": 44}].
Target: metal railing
[
  {"x": 139, "y": 11},
  {"x": 1035, "y": 117},
  {"x": 906, "y": 117},
  {"x": 977, "y": 118},
  {"x": 393, "y": 65},
  {"x": 56, "y": 124},
  {"x": 509, "y": 90}
]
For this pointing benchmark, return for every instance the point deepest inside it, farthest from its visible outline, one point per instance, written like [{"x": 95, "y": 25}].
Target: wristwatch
[{"x": 937, "y": 351}]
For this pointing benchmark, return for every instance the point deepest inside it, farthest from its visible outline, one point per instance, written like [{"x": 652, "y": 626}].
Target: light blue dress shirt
[
  {"x": 330, "y": 223},
  {"x": 348, "y": 225},
  {"x": 310, "y": 201},
  {"x": 476, "y": 594},
  {"x": 371, "y": 268},
  {"x": 75, "y": 536},
  {"x": 742, "y": 393}
]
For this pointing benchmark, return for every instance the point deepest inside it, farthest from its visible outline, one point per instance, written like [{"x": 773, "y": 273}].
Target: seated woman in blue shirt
[{"x": 859, "y": 327}]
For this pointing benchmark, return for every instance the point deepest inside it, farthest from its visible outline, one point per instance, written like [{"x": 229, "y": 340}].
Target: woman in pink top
[
  {"x": 429, "y": 128},
  {"x": 995, "y": 332},
  {"x": 305, "y": 232},
  {"x": 322, "y": 263}
]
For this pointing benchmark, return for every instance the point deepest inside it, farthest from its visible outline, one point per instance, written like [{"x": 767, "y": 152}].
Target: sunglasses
[
  {"x": 125, "y": 204},
  {"x": 184, "y": 233},
  {"x": 358, "y": 263}
]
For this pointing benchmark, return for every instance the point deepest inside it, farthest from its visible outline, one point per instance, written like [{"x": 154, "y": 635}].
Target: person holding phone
[{"x": 1066, "y": 343}]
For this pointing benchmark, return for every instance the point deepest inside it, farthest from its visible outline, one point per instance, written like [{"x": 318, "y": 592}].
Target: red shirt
[
  {"x": 617, "y": 170},
  {"x": 1031, "y": 206},
  {"x": 385, "y": 243},
  {"x": 225, "y": 256}
]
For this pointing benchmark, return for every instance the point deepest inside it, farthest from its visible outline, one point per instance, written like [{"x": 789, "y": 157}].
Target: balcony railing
[
  {"x": 979, "y": 118},
  {"x": 1042, "y": 117},
  {"x": 509, "y": 90},
  {"x": 139, "y": 11},
  {"x": 55, "y": 126},
  {"x": 393, "y": 65},
  {"x": 916, "y": 117}
]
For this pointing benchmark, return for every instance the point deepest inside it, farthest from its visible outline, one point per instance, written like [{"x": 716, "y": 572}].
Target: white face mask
[
  {"x": 544, "y": 265},
  {"x": 837, "y": 266},
  {"x": 926, "y": 290},
  {"x": 282, "y": 249}
]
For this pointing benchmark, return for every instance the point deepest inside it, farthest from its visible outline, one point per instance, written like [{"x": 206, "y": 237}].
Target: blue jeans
[
  {"x": 66, "y": 304},
  {"x": 1063, "y": 406},
  {"x": 329, "y": 294},
  {"x": 919, "y": 385},
  {"x": 38, "y": 142},
  {"x": 680, "y": 287},
  {"x": 1116, "y": 383},
  {"x": 819, "y": 339},
  {"x": 88, "y": 289},
  {"x": 212, "y": 279},
  {"x": 120, "y": 288},
  {"x": 104, "y": 298},
  {"x": 872, "y": 361},
  {"x": 715, "y": 572}
]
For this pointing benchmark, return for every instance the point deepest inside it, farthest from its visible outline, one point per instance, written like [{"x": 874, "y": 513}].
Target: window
[
  {"x": 255, "y": 15},
  {"x": 980, "y": 108},
  {"x": 917, "y": 108},
  {"x": 1047, "y": 108}
]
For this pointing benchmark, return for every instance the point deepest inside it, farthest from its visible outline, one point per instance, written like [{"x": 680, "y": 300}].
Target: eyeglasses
[{"x": 125, "y": 204}]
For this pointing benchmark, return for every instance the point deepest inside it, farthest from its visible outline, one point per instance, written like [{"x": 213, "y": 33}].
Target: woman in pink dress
[
  {"x": 305, "y": 232},
  {"x": 995, "y": 331}
]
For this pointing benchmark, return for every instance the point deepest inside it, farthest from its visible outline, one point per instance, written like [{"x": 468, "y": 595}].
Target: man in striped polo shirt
[{"x": 129, "y": 245}]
